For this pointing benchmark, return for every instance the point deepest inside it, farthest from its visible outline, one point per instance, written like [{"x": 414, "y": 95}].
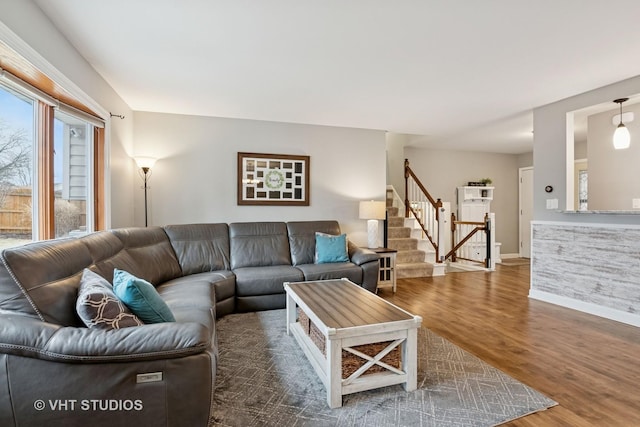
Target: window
[
  {"x": 72, "y": 183},
  {"x": 17, "y": 150},
  {"x": 51, "y": 173}
]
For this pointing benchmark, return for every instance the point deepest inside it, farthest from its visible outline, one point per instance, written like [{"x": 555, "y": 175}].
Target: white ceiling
[{"x": 460, "y": 74}]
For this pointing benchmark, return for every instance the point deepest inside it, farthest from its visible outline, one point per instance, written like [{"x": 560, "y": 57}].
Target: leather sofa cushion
[
  {"x": 252, "y": 281},
  {"x": 302, "y": 238},
  {"x": 190, "y": 300},
  {"x": 143, "y": 252},
  {"x": 44, "y": 280},
  {"x": 261, "y": 302},
  {"x": 335, "y": 270},
  {"x": 256, "y": 244},
  {"x": 200, "y": 247},
  {"x": 222, "y": 282}
]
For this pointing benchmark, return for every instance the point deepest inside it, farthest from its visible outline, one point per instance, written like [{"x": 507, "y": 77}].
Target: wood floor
[{"x": 589, "y": 365}]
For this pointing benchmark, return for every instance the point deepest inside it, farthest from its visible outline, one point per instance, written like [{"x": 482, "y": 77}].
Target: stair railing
[
  {"x": 469, "y": 231},
  {"x": 425, "y": 209}
]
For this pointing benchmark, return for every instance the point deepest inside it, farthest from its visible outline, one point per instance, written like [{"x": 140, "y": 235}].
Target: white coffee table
[{"x": 348, "y": 316}]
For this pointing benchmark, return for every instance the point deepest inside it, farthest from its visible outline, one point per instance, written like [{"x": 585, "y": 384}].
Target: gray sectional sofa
[{"x": 55, "y": 371}]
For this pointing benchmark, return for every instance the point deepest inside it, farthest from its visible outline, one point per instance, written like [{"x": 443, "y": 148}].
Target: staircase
[
  {"x": 417, "y": 231},
  {"x": 410, "y": 260}
]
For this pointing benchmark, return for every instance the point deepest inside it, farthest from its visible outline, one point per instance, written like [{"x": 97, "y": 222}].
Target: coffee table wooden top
[{"x": 343, "y": 304}]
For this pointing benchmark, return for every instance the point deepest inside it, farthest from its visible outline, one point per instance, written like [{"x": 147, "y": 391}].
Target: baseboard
[
  {"x": 466, "y": 267},
  {"x": 598, "y": 310},
  {"x": 505, "y": 256}
]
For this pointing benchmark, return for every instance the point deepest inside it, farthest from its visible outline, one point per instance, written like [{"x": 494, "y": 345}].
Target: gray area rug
[{"x": 264, "y": 379}]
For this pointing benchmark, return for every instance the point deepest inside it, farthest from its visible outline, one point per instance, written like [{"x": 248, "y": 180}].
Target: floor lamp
[
  {"x": 145, "y": 164},
  {"x": 372, "y": 211}
]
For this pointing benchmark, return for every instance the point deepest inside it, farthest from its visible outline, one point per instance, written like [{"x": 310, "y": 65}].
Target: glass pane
[
  {"x": 16, "y": 168},
  {"x": 583, "y": 190},
  {"x": 72, "y": 139}
]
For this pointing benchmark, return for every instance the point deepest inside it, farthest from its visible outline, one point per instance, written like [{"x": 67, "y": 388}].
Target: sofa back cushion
[
  {"x": 42, "y": 279},
  {"x": 144, "y": 252},
  {"x": 257, "y": 244},
  {"x": 302, "y": 238},
  {"x": 200, "y": 248}
]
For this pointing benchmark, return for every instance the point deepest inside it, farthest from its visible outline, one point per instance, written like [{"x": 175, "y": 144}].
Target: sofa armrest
[
  {"x": 30, "y": 337},
  {"x": 360, "y": 255}
]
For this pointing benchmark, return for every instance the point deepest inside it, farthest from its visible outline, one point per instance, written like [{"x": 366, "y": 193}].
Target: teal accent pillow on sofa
[
  {"x": 331, "y": 248},
  {"x": 141, "y": 297}
]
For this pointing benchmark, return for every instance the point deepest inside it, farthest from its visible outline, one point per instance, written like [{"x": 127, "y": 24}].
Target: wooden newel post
[
  {"x": 406, "y": 188},
  {"x": 453, "y": 235},
  {"x": 488, "y": 231}
]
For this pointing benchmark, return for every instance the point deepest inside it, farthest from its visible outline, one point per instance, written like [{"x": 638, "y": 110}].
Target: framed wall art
[{"x": 273, "y": 179}]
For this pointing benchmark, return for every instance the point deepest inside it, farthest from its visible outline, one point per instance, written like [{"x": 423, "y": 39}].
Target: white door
[{"x": 526, "y": 210}]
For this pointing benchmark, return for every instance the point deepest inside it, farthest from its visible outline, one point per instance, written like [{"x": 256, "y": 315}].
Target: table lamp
[{"x": 372, "y": 211}]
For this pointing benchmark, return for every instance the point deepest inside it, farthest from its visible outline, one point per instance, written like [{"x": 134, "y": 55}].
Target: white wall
[
  {"x": 395, "y": 161},
  {"x": 525, "y": 160},
  {"x": 25, "y": 29},
  {"x": 195, "y": 178},
  {"x": 442, "y": 171}
]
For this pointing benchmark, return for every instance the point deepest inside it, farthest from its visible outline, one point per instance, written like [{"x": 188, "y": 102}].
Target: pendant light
[{"x": 621, "y": 137}]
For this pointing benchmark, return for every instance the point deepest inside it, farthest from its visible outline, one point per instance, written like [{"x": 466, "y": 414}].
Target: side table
[{"x": 387, "y": 273}]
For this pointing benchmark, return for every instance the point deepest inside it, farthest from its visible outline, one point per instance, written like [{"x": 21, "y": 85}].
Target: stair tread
[
  {"x": 422, "y": 269},
  {"x": 412, "y": 264}
]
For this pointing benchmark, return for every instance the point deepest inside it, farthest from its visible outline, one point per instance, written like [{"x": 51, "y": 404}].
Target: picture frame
[{"x": 273, "y": 179}]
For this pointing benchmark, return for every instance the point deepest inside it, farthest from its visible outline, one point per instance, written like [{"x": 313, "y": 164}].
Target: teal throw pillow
[
  {"x": 141, "y": 297},
  {"x": 331, "y": 248}
]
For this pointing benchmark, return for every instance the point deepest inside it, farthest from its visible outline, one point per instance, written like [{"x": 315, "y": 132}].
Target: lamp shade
[
  {"x": 372, "y": 209},
  {"x": 621, "y": 137},
  {"x": 145, "y": 162}
]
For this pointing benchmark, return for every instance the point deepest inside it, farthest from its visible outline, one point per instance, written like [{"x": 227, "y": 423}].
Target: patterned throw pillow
[{"x": 99, "y": 307}]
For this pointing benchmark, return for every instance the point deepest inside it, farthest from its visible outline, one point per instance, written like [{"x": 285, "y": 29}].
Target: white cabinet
[{"x": 474, "y": 203}]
